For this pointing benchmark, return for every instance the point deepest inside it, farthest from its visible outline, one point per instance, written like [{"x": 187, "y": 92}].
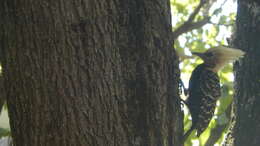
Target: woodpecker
[{"x": 204, "y": 86}]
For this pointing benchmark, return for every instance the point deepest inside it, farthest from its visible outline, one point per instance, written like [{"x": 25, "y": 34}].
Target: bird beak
[{"x": 201, "y": 55}]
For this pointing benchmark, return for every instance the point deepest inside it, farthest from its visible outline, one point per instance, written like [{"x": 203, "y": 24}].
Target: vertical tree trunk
[
  {"x": 246, "y": 129},
  {"x": 90, "y": 73}
]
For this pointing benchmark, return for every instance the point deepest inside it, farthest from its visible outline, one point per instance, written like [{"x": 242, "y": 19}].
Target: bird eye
[{"x": 209, "y": 54}]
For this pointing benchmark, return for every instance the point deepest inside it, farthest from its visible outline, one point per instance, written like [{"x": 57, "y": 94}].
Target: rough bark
[
  {"x": 246, "y": 118},
  {"x": 90, "y": 73}
]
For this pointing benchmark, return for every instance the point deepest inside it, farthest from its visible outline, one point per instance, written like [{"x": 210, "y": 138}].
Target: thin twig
[
  {"x": 196, "y": 11},
  {"x": 190, "y": 25},
  {"x": 219, "y": 24},
  {"x": 182, "y": 29}
]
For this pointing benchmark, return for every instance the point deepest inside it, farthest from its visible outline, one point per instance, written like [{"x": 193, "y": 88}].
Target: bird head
[{"x": 217, "y": 57}]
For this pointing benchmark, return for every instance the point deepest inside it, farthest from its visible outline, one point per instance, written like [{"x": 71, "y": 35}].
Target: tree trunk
[
  {"x": 246, "y": 126},
  {"x": 90, "y": 73}
]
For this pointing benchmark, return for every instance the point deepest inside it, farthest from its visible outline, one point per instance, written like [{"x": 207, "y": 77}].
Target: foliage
[
  {"x": 4, "y": 132},
  {"x": 211, "y": 34},
  {"x": 4, "y": 128}
]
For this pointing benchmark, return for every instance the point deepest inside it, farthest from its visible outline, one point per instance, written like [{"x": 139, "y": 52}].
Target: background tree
[
  {"x": 90, "y": 72},
  {"x": 245, "y": 117}
]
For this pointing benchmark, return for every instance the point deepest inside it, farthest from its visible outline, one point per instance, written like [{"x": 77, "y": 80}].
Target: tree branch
[
  {"x": 190, "y": 26},
  {"x": 216, "y": 132},
  {"x": 182, "y": 29},
  {"x": 196, "y": 11}
]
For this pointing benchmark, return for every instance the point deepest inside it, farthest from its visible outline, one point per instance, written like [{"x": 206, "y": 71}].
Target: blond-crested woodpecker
[{"x": 204, "y": 86}]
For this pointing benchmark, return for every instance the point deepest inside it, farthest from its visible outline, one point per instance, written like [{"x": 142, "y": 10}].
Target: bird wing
[
  {"x": 210, "y": 92},
  {"x": 210, "y": 85}
]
